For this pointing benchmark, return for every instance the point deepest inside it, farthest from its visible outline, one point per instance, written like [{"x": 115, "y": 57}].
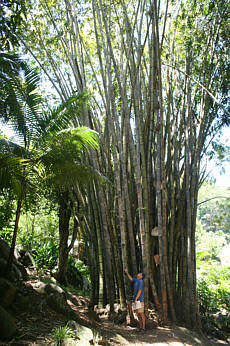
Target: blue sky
[{"x": 222, "y": 179}]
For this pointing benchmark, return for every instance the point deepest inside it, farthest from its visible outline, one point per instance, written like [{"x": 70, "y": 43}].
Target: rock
[
  {"x": 17, "y": 254},
  {"x": 8, "y": 326},
  {"x": 7, "y": 292},
  {"x": 58, "y": 303},
  {"x": 14, "y": 275},
  {"x": 85, "y": 334},
  {"x": 28, "y": 260},
  {"x": 4, "y": 249},
  {"x": 52, "y": 288},
  {"x": 22, "y": 303},
  {"x": 43, "y": 288},
  {"x": 2, "y": 266},
  {"x": 82, "y": 332},
  {"x": 18, "y": 271},
  {"x": 72, "y": 325}
]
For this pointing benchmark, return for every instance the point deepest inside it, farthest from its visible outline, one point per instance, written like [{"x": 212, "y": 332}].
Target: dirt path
[
  {"x": 162, "y": 336},
  {"x": 36, "y": 323}
]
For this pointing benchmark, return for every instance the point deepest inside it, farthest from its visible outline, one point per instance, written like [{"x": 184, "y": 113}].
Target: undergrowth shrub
[
  {"x": 46, "y": 254},
  {"x": 60, "y": 334},
  {"x": 213, "y": 292}
]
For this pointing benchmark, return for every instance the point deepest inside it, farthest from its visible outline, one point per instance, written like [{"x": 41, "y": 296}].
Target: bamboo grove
[{"x": 155, "y": 75}]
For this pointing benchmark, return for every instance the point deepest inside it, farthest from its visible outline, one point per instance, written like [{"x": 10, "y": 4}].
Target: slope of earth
[{"x": 36, "y": 322}]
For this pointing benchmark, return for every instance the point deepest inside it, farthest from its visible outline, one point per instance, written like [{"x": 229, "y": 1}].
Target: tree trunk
[
  {"x": 13, "y": 243},
  {"x": 65, "y": 209}
]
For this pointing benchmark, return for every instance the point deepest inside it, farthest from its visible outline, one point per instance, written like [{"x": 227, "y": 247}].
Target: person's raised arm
[{"x": 127, "y": 273}]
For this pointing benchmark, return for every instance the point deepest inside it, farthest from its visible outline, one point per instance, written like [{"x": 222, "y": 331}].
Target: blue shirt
[{"x": 138, "y": 285}]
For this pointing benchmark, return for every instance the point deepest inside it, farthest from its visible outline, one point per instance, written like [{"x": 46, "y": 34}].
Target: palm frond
[
  {"x": 69, "y": 176},
  {"x": 20, "y": 102},
  {"x": 7, "y": 161},
  {"x": 82, "y": 137},
  {"x": 68, "y": 145},
  {"x": 10, "y": 64},
  {"x": 12, "y": 172},
  {"x": 64, "y": 116},
  {"x": 13, "y": 149}
]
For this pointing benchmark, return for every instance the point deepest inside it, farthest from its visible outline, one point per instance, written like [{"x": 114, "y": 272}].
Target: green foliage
[
  {"x": 210, "y": 243},
  {"x": 60, "y": 334},
  {"x": 6, "y": 215},
  {"x": 71, "y": 266},
  {"x": 213, "y": 291},
  {"x": 38, "y": 232},
  {"x": 83, "y": 269},
  {"x": 63, "y": 157},
  {"x": 12, "y": 14},
  {"x": 20, "y": 102},
  {"x": 213, "y": 220},
  {"x": 219, "y": 152},
  {"x": 78, "y": 268},
  {"x": 206, "y": 256},
  {"x": 46, "y": 253},
  {"x": 12, "y": 172},
  {"x": 63, "y": 116}
]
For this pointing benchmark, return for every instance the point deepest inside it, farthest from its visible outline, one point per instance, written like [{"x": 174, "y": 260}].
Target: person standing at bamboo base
[{"x": 138, "y": 297}]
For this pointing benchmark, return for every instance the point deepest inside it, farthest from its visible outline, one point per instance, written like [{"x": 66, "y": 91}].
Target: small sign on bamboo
[
  {"x": 157, "y": 259},
  {"x": 156, "y": 231}
]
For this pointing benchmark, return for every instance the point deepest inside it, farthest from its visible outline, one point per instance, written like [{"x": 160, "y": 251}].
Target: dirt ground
[{"x": 36, "y": 323}]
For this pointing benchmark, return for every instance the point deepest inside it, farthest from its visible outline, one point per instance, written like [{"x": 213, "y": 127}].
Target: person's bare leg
[
  {"x": 140, "y": 320},
  {"x": 142, "y": 315}
]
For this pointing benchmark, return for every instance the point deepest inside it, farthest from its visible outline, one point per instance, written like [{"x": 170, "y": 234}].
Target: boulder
[
  {"x": 8, "y": 326},
  {"x": 22, "y": 302},
  {"x": 4, "y": 249},
  {"x": 17, "y": 254},
  {"x": 58, "y": 303},
  {"x": 13, "y": 275},
  {"x": 18, "y": 270},
  {"x": 27, "y": 259},
  {"x": 2, "y": 266},
  {"x": 43, "y": 288},
  {"x": 85, "y": 334},
  {"x": 7, "y": 292}
]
